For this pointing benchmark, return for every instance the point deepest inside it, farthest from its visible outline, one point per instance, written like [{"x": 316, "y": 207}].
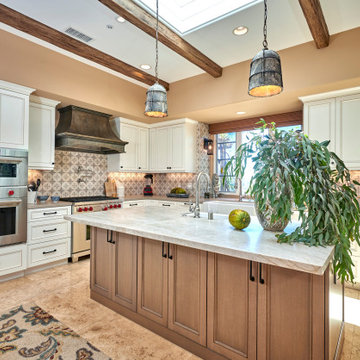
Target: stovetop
[{"x": 77, "y": 199}]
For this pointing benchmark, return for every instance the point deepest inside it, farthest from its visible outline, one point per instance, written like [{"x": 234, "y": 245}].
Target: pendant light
[
  {"x": 156, "y": 99},
  {"x": 265, "y": 69}
]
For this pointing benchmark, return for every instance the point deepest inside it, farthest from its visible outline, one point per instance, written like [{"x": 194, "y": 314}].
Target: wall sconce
[{"x": 209, "y": 146}]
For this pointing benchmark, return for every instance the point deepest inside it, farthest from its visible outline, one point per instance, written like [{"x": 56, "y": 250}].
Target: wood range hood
[{"x": 87, "y": 131}]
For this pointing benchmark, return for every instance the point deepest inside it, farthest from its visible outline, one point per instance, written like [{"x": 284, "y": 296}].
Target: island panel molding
[
  {"x": 137, "y": 16},
  {"x": 41, "y": 31}
]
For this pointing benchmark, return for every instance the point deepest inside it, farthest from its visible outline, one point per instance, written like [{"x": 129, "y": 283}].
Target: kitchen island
[{"x": 218, "y": 292}]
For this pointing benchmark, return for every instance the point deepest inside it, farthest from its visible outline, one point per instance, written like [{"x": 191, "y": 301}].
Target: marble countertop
[
  {"x": 48, "y": 204},
  {"x": 211, "y": 235}
]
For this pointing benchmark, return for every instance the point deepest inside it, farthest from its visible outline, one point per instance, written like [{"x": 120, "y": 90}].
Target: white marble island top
[{"x": 216, "y": 236}]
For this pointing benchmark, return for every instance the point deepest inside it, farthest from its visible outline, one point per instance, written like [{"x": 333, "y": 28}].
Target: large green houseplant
[{"x": 292, "y": 172}]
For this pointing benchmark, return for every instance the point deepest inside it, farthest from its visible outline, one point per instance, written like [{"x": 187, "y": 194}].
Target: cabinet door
[
  {"x": 14, "y": 120},
  {"x": 231, "y": 307},
  {"x": 347, "y": 130},
  {"x": 161, "y": 149},
  {"x": 128, "y": 160},
  {"x": 125, "y": 270},
  {"x": 101, "y": 262},
  {"x": 41, "y": 136},
  {"x": 290, "y": 315},
  {"x": 176, "y": 148},
  {"x": 152, "y": 281},
  {"x": 319, "y": 121},
  {"x": 143, "y": 149},
  {"x": 187, "y": 292}
]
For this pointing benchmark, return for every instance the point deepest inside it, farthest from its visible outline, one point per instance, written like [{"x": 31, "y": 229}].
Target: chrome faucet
[{"x": 197, "y": 189}]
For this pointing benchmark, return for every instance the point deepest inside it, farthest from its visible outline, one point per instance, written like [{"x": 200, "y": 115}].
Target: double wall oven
[{"x": 13, "y": 196}]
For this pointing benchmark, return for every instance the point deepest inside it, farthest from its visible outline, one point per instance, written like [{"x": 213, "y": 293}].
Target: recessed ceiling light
[
  {"x": 240, "y": 30},
  {"x": 241, "y": 112},
  {"x": 120, "y": 19},
  {"x": 145, "y": 66}
]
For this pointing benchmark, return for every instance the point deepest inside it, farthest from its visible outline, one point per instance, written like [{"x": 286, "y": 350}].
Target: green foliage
[{"x": 293, "y": 172}]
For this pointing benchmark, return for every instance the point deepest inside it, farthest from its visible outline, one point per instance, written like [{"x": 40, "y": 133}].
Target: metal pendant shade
[
  {"x": 156, "y": 101},
  {"x": 265, "y": 69},
  {"x": 156, "y": 98}
]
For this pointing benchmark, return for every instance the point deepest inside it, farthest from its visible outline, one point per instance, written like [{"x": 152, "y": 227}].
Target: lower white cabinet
[
  {"x": 49, "y": 235},
  {"x": 12, "y": 259},
  {"x": 48, "y": 251},
  {"x": 42, "y": 133}
]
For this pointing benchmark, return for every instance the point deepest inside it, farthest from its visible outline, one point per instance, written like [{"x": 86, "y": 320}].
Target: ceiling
[{"x": 286, "y": 27}]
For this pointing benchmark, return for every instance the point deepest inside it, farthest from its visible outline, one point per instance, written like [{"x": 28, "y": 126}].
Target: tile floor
[{"x": 64, "y": 292}]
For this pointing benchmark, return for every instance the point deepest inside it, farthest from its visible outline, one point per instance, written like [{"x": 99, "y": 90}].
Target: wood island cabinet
[{"x": 216, "y": 306}]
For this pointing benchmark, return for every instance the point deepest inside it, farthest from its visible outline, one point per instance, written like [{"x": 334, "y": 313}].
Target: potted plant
[{"x": 292, "y": 172}]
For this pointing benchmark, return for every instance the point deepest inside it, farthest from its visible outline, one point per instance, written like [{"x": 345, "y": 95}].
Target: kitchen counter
[
  {"x": 48, "y": 204},
  {"x": 216, "y": 236},
  {"x": 160, "y": 197}
]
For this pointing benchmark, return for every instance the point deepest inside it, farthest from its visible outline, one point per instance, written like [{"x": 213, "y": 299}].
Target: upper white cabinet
[
  {"x": 173, "y": 146},
  {"x": 334, "y": 116},
  {"x": 14, "y": 115},
  {"x": 42, "y": 133},
  {"x": 136, "y": 156}
]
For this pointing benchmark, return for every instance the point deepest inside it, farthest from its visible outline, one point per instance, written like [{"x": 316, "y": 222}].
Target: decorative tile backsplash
[{"x": 83, "y": 174}]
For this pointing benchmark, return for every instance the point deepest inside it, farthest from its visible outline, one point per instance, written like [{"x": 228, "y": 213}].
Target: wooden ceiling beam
[
  {"x": 316, "y": 21},
  {"x": 137, "y": 16},
  {"x": 41, "y": 31}
]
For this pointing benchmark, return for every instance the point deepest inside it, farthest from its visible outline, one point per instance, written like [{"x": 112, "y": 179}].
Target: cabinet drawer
[
  {"x": 48, "y": 252},
  {"x": 48, "y": 230},
  {"x": 48, "y": 213},
  {"x": 12, "y": 259}
]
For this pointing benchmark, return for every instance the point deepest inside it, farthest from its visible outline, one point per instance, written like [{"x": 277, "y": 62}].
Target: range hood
[{"x": 86, "y": 130}]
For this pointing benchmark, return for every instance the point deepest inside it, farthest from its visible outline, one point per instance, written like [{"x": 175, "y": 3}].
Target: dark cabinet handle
[
  {"x": 121, "y": 167},
  {"x": 165, "y": 204},
  {"x": 133, "y": 204},
  {"x": 50, "y": 213},
  {"x": 169, "y": 256},
  {"x": 168, "y": 167},
  {"x": 261, "y": 280},
  {"x": 49, "y": 252},
  {"x": 163, "y": 250},
  {"x": 52, "y": 163},
  {"x": 109, "y": 239},
  {"x": 46, "y": 231},
  {"x": 252, "y": 277},
  {"x": 139, "y": 167}
]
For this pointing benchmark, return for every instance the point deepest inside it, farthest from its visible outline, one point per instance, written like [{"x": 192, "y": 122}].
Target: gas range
[{"x": 93, "y": 203}]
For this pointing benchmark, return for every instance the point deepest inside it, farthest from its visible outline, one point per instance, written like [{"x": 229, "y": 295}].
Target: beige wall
[{"x": 306, "y": 70}]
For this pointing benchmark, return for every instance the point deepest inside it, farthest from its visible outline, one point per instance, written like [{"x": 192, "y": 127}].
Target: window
[{"x": 226, "y": 145}]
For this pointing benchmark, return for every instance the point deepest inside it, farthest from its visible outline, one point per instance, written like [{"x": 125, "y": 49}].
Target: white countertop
[
  {"x": 48, "y": 204},
  {"x": 211, "y": 235}
]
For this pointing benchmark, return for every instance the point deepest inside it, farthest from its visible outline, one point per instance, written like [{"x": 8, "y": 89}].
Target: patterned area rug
[{"x": 29, "y": 332}]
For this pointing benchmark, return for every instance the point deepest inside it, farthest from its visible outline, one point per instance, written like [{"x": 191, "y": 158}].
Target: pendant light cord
[
  {"x": 157, "y": 41},
  {"x": 265, "y": 43}
]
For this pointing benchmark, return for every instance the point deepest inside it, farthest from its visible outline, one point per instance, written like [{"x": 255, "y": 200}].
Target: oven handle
[
  {"x": 9, "y": 160},
  {"x": 9, "y": 203}
]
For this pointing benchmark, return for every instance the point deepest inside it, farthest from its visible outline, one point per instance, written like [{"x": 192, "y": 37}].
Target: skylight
[{"x": 185, "y": 16}]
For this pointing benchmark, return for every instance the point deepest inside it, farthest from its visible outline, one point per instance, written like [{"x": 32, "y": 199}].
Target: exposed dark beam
[
  {"x": 137, "y": 16},
  {"x": 316, "y": 21},
  {"x": 41, "y": 31},
  {"x": 284, "y": 119}
]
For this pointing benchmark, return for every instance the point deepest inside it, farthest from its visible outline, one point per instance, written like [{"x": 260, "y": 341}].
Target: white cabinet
[
  {"x": 334, "y": 116},
  {"x": 49, "y": 235},
  {"x": 42, "y": 133},
  {"x": 136, "y": 153},
  {"x": 12, "y": 259},
  {"x": 14, "y": 115},
  {"x": 173, "y": 146}
]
